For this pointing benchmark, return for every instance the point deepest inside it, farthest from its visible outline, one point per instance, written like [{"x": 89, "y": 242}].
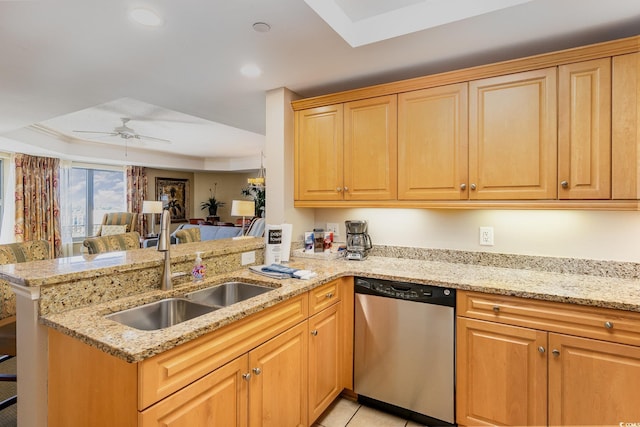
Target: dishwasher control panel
[{"x": 407, "y": 291}]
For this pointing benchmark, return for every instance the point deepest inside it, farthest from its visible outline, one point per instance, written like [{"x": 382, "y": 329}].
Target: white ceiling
[{"x": 83, "y": 64}]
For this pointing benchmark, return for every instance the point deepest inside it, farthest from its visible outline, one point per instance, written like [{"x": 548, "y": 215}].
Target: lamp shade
[
  {"x": 151, "y": 207},
  {"x": 243, "y": 207}
]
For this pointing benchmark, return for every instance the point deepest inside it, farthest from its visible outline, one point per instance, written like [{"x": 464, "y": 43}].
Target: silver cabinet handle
[
  {"x": 463, "y": 187},
  {"x": 346, "y": 188},
  {"x": 257, "y": 371},
  {"x": 338, "y": 189},
  {"x": 496, "y": 308},
  {"x": 608, "y": 325},
  {"x": 314, "y": 332},
  {"x": 329, "y": 295},
  {"x": 246, "y": 376},
  {"x": 541, "y": 349},
  {"x": 564, "y": 184},
  {"x": 473, "y": 186},
  {"x": 555, "y": 352}
]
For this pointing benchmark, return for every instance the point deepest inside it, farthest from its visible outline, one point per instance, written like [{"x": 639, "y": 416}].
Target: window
[{"x": 94, "y": 192}]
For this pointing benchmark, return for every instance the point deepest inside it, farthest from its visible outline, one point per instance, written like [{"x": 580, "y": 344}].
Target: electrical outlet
[
  {"x": 333, "y": 226},
  {"x": 248, "y": 257},
  {"x": 486, "y": 236}
]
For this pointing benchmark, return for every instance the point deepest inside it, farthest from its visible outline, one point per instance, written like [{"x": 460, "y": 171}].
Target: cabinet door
[
  {"x": 325, "y": 359},
  {"x": 278, "y": 386},
  {"x": 513, "y": 136},
  {"x": 433, "y": 143},
  {"x": 584, "y": 130},
  {"x": 592, "y": 382},
  {"x": 370, "y": 149},
  {"x": 501, "y": 374},
  {"x": 318, "y": 153},
  {"x": 218, "y": 399},
  {"x": 625, "y": 116}
]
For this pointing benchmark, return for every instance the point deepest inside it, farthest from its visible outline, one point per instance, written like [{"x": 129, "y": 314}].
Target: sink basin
[
  {"x": 227, "y": 293},
  {"x": 160, "y": 314}
]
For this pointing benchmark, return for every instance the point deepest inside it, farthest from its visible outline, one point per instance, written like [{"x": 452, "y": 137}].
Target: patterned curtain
[
  {"x": 136, "y": 194},
  {"x": 37, "y": 201}
]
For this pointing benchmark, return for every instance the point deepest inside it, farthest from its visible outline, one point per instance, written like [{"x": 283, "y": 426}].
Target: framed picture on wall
[{"x": 174, "y": 193}]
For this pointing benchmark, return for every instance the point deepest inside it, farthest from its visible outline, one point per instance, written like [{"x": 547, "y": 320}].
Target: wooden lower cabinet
[
  {"x": 325, "y": 359},
  {"x": 278, "y": 383},
  {"x": 518, "y": 375},
  {"x": 260, "y": 371},
  {"x": 501, "y": 375},
  {"x": 592, "y": 382},
  {"x": 218, "y": 399}
]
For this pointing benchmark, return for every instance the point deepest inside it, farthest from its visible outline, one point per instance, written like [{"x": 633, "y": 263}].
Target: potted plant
[
  {"x": 257, "y": 193},
  {"x": 212, "y": 204}
]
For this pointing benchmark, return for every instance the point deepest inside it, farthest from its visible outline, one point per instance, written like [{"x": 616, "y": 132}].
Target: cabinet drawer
[
  {"x": 591, "y": 322},
  {"x": 324, "y": 296},
  {"x": 168, "y": 372}
]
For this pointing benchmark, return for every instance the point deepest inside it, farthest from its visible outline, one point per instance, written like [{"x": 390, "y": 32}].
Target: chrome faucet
[{"x": 164, "y": 245}]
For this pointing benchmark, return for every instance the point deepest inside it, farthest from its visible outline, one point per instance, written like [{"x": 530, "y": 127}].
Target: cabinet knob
[
  {"x": 473, "y": 186},
  {"x": 329, "y": 295},
  {"x": 257, "y": 371},
  {"x": 541, "y": 349},
  {"x": 246, "y": 376},
  {"x": 496, "y": 308},
  {"x": 314, "y": 332},
  {"x": 346, "y": 188},
  {"x": 608, "y": 325},
  {"x": 555, "y": 352},
  {"x": 338, "y": 189},
  {"x": 564, "y": 184},
  {"x": 463, "y": 187}
]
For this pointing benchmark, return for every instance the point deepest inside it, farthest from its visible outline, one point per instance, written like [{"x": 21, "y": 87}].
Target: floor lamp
[
  {"x": 243, "y": 208},
  {"x": 152, "y": 207}
]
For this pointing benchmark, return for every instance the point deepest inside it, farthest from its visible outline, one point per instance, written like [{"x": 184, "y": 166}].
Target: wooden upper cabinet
[
  {"x": 370, "y": 149},
  {"x": 625, "y": 116},
  {"x": 433, "y": 143},
  {"x": 318, "y": 153},
  {"x": 584, "y": 130},
  {"x": 513, "y": 136}
]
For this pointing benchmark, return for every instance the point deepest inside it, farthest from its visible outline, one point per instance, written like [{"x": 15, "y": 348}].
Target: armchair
[
  {"x": 127, "y": 219},
  {"x": 112, "y": 243}
]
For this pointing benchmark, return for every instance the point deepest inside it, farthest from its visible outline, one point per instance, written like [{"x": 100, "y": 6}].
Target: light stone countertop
[{"x": 89, "y": 325}]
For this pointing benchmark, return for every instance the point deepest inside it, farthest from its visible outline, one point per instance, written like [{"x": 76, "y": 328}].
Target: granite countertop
[{"x": 89, "y": 325}]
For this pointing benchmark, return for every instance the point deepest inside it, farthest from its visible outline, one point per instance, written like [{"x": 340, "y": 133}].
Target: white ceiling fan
[{"x": 125, "y": 132}]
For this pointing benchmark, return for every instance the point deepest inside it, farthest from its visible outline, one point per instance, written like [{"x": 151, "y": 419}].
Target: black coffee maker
[{"x": 358, "y": 240}]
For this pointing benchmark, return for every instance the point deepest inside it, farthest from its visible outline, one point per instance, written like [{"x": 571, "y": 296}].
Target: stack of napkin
[{"x": 278, "y": 271}]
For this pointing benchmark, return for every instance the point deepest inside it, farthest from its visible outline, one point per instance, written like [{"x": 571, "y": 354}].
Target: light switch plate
[{"x": 333, "y": 226}]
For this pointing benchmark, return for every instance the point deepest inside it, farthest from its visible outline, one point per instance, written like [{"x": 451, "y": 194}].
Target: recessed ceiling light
[
  {"x": 146, "y": 17},
  {"x": 250, "y": 70},
  {"x": 261, "y": 27}
]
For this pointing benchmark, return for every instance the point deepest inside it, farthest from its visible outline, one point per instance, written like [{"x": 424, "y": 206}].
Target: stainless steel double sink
[{"x": 171, "y": 311}]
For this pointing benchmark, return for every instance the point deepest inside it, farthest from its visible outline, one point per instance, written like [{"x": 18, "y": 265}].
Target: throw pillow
[{"x": 108, "y": 230}]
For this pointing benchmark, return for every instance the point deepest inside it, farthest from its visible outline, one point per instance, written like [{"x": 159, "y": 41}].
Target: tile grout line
[{"x": 352, "y": 416}]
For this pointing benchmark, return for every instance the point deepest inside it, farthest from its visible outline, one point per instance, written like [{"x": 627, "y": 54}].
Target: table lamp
[
  {"x": 243, "y": 208},
  {"x": 152, "y": 207}
]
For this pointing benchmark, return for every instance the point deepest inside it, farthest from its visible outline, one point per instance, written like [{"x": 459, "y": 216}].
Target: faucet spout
[{"x": 164, "y": 245}]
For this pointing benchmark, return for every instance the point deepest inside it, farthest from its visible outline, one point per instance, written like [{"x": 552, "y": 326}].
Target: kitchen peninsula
[{"x": 69, "y": 301}]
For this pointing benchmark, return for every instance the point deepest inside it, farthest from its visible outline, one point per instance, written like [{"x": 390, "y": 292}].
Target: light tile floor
[{"x": 345, "y": 412}]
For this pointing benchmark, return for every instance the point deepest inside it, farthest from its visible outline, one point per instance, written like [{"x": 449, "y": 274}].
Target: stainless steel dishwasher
[{"x": 404, "y": 349}]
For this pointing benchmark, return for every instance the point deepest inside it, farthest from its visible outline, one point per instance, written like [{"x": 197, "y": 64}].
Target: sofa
[{"x": 207, "y": 232}]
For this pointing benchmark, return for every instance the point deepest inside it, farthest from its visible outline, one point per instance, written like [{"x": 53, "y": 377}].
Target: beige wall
[{"x": 228, "y": 189}]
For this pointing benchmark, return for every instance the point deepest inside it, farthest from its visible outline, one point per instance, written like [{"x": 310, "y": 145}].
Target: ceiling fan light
[{"x": 146, "y": 17}]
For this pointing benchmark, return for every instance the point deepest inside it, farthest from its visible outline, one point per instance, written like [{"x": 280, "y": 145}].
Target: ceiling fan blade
[
  {"x": 95, "y": 131},
  {"x": 153, "y": 138}
]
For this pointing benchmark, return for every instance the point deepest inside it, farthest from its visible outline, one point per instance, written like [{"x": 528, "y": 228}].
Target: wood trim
[
  {"x": 602, "y": 205},
  {"x": 161, "y": 375},
  {"x": 582, "y": 53}
]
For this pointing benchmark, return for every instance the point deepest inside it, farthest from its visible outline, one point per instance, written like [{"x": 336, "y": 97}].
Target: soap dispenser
[{"x": 198, "y": 268}]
